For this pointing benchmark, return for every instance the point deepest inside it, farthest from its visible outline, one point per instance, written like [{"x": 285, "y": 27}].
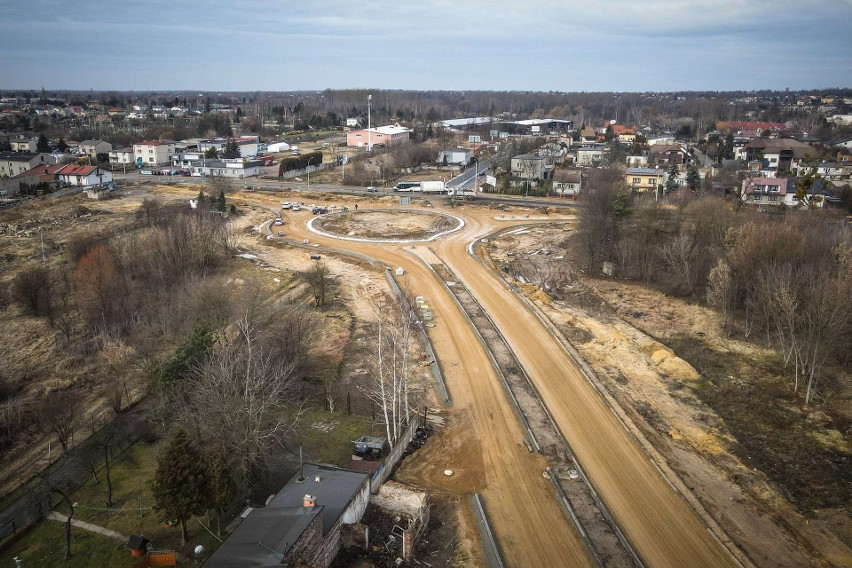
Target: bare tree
[
  {"x": 391, "y": 358},
  {"x": 244, "y": 400},
  {"x": 60, "y": 415},
  {"x": 720, "y": 292},
  {"x": 320, "y": 279}
]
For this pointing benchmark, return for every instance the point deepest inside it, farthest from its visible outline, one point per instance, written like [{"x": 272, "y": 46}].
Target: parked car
[
  {"x": 315, "y": 256},
  {"x": 319, "y": 211},
  {"x": 279, "y": 221},
  {"x": 286, "y": 205},
  {"x": 372, "y": 189},
  {"x": 297, "y": 208}
]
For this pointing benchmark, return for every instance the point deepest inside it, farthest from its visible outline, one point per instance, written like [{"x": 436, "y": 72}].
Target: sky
[{"x": 526, "y": 45}]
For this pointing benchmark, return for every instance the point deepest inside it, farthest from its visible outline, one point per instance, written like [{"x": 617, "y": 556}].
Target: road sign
[
  {"x": 491, "y": 180},
  {"x": 474, "y": 138}
]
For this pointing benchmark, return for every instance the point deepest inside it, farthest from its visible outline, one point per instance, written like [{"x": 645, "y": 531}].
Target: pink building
[{"x": 380, "y": 136}]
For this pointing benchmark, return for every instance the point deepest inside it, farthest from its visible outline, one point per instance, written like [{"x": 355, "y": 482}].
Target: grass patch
[
  {"x": 44, "y": 547},
  {"x": 132, "y": 513},
  {"x": 327, "y": 438},
  {"x": 773, "y": 434}
]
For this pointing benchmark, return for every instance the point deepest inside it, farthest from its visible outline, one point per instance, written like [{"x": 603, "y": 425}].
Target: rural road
[{"x": 521, "y": 505}]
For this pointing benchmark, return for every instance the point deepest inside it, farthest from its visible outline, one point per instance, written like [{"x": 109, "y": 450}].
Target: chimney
[{"x": 309, "y": 501}]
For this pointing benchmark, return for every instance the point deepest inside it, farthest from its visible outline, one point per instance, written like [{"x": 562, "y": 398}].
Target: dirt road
[
  {"x": 660, "y": 525},
  {"x": 521, "y": 504}
]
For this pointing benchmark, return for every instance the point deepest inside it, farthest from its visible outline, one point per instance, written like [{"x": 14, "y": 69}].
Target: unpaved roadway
[{"x": 522, "y": 506}]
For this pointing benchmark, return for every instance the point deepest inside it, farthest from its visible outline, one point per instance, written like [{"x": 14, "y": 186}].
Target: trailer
[{"x": 433, "y": 187}]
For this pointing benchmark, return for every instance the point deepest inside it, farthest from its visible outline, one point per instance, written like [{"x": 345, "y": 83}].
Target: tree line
[{"x": 787, "y": 277}]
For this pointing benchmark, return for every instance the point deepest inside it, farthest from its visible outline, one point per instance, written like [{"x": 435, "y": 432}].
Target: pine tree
[
  {"x": 671, "y": 180},
  {"x": 222, "y": 486},
  {"x": 693, "y": 180},
  {"x": 220, "y": 201},
  {"x": 43, "y": 145},
  {"x": 231, "y": 150},
  {"x": 181, "y": 487},
  {"x": 62, "y": 146}
]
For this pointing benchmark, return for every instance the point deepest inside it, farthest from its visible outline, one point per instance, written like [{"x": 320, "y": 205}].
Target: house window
[
  {"x": 774, "y": 189},
  {"x": 637, "y": 181}
]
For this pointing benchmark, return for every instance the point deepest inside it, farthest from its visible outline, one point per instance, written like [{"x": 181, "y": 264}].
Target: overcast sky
[{"x": 567, "y": 45}]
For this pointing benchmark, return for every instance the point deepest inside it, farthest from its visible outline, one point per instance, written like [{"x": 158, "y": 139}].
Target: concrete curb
[
  {"x": 657, "y": 459},
  {"x": 490, "y": 551},
  {"x": 458, "y": 227},
  {"x": 514, "y": 401},
  {"x": 435, "y": 365}
]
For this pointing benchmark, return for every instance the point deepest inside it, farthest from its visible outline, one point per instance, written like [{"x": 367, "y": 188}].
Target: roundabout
[{"x": 386, "y": 225}]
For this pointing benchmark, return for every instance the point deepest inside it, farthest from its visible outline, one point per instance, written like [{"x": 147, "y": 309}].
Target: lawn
[
  {"x": 132, "y": 513},
  {"x": 327, "y": 438}
]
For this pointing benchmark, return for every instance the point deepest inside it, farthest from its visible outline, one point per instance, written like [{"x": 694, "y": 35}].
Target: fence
[
  {"x": 310, "y": 169},
  {"x": 395, "y": 455}
]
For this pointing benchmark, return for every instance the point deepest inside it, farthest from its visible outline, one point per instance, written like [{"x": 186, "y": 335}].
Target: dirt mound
[
  {"x": 650, "y": 348},
  {"x": 677, "y": 368},
  {"x": 661, "y": 355},
  {"x": 385, "y": 224}
]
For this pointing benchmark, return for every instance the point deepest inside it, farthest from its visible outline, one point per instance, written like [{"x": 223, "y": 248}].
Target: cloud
[{"x": 506, "y": 44}]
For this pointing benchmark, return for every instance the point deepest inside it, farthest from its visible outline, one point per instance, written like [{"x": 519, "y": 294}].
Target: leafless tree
[
  {"x": 720, "y": 292},
  {"x": 320, "y": 279},
  {"x": 244, "y": 400},
  {"x": 60, "y": 414},
  {"x": 391, "y": 357}
]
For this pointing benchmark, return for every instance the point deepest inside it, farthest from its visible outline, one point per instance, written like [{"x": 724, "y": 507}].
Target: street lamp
[{"x": 308, "y": 169}]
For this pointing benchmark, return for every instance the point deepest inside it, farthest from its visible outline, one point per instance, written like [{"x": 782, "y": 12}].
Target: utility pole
[{"x": 369, "y": 124}]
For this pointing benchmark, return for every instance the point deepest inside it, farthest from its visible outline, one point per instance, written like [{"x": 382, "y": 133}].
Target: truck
[
  {"x": 458, "y": 193},
  {"x": 433, "y": 187}
]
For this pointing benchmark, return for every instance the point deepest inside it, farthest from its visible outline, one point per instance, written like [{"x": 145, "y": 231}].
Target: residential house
[
  {"x": 779, "y": 153},
  {"x": 664, "y": 155},
  {"x": 302, "y": 525},
  {"x": 530, "y": 168},
  {"x": 567, "y": 182},
  {"x": 153, "y": 152},
  {"x": 23, "y": 144},
  {"x": 381, "y": 136},
  {"x": 644, "y": 179},
  {"x": 622, "y": 133},
  {"x": 637, "y": 161},
  {"x": 94, "y": 147},
  {"x": 121, "y": 156},
  {"x": 779, "y": 191},
  {"x": 454, "y": 156},
  {"x": 85, "y": 176},
  {"x": 589, "y": 155},
  {"x": 14, "y": 163}
]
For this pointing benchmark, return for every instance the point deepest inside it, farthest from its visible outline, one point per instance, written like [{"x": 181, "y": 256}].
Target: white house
[
  {"x": 454, "y": 156},
  {"x": 94, "y": 147},
  {"x": 153, "y": 152},
  {"x": 85, "y": 176},
  {"x": 121, "y": 156}
]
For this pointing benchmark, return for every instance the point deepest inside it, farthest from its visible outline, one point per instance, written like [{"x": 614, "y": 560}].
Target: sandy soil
[
  {"x": 385, "y": 224},
  {"x": 653, "y": 385}
]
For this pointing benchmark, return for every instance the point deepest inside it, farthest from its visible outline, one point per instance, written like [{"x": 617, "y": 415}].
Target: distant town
[{"x": 379, "y": 328}]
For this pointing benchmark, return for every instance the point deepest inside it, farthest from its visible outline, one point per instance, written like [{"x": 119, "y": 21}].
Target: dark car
[{"x": 319, "y": 211}]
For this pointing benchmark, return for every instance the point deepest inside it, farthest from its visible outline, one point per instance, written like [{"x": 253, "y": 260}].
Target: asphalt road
[{"x": 658, "y": 522}]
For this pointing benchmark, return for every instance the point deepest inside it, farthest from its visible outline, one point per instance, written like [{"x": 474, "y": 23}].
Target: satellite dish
[{"x": 613, "y": 122}]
